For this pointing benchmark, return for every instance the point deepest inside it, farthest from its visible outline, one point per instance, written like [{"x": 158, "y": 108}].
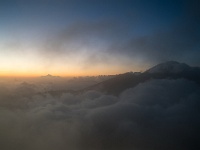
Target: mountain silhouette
[
  {"x": 169, "y": 67},
  {"x": 167, "y": 70},
  {"x": 171, "y": 70}
]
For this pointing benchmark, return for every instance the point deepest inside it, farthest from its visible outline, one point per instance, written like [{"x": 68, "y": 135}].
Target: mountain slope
[
  {"x": 167, "y": 70},
  {"x": 169, "y": 67}
]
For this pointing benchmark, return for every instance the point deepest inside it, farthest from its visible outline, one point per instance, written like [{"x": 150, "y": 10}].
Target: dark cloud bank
[
  {"x": 155, "y": 115},
  {"x": 154, "y": 43}
]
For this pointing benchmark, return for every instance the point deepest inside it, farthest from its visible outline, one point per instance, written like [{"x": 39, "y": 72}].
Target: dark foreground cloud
[{"x": 159, "y": 114}]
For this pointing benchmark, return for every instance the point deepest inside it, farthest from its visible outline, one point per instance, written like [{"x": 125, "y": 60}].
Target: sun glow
[{"x": 31, "y": 63}]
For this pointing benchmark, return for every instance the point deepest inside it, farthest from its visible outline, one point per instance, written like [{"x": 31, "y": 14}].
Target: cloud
[
  {"x": 119, "y": 33},
  {"x": 77, "y": 36},
  {"x": 108, "y": 41},
  {"x": 179, "y": 41},
  {"x": 158, "y": 114}
]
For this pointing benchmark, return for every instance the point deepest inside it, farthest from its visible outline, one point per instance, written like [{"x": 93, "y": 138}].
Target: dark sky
[{"x": 89, "y": 37}]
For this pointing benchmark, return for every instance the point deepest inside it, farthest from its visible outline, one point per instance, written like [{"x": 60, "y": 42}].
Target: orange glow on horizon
[
  {"x": 28, "y": 74},
  {"x": 31, "y": 64},
  {"x": 62, "y": 73}
]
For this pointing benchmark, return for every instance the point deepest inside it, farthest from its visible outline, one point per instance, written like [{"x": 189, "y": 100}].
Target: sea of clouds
[{"x": 155, "y": 115}]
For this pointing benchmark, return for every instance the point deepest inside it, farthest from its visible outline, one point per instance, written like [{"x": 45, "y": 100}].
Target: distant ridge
[
  {"x": 50, "y": 76},
  {"x": 171, "y": 70},
  {"x": 166, "y": 70}
]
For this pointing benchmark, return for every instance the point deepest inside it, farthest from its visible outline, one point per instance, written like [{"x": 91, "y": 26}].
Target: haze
[
  {"x": 99, "y": 74},
  {"x": 72, "y": 38}
]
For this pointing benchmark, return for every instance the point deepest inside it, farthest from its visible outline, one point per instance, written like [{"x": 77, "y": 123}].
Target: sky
[{"x": 92, "y": 37}]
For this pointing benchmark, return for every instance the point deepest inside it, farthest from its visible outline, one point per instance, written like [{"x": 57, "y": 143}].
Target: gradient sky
[{"x": 91, "y": 37}]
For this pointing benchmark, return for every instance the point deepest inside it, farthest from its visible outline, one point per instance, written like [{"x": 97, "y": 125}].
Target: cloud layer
[{"x": 158, "y": 114}]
